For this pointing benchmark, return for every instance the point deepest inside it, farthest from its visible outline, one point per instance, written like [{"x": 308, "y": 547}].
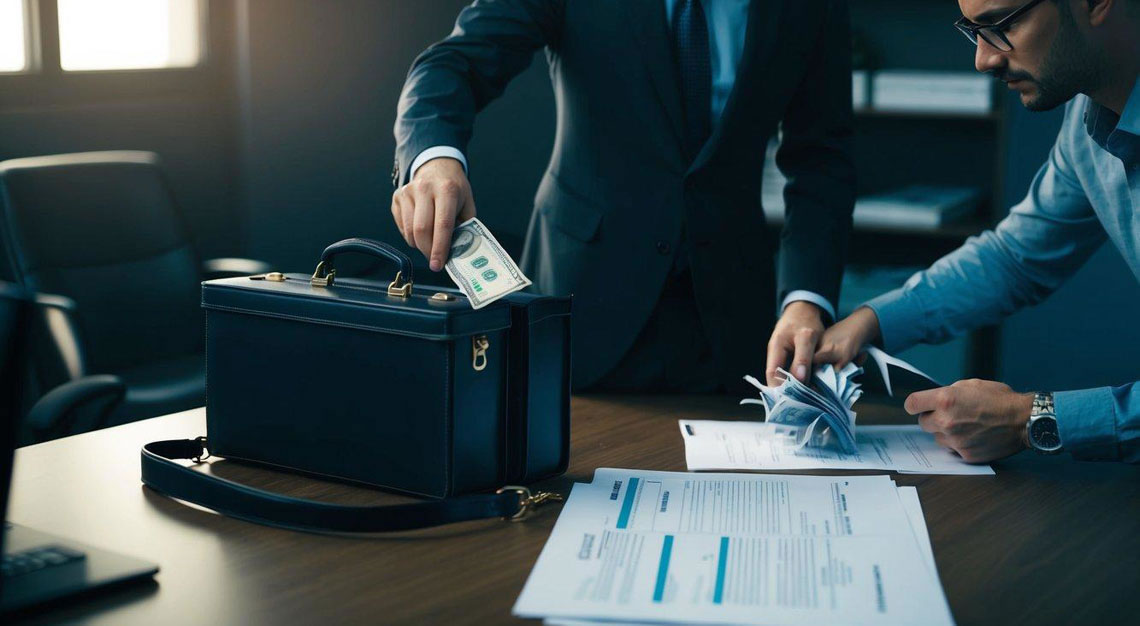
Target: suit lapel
[
  {"x": 651, "y": 32},
  {"x": 759, "y": 46}
]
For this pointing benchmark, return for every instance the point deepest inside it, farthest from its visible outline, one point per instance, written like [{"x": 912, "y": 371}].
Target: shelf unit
[{"x": 899, "y": 148}]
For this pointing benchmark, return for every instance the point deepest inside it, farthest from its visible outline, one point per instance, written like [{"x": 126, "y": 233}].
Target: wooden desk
[{"x": 1046, "y": 541}]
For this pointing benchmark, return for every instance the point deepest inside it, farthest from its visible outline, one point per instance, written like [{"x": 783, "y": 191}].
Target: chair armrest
[
  {"x": 230, "y": 267},
  {"x": 57, "y": 412},
  {"x": 58, "y": 319}
]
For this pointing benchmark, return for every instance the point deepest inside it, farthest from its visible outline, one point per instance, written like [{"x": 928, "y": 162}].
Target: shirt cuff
[
  {"x": 902, "y": 319},
  {"x": 1086, "y": 421},
  {"x": 435, "y": 152},
  {"x": 804, "y": 295}
]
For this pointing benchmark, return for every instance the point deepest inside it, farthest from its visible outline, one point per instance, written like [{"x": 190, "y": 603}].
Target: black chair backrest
[
  {"x": 102, "y": 228},
  {"x": 15, "y": 312}
]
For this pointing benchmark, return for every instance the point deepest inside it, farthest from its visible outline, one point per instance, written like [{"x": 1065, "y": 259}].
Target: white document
[
  {"x": 722, "y": 445},
  {"x": 611, "y": 557},
  {"x": 910, "y": 503}
]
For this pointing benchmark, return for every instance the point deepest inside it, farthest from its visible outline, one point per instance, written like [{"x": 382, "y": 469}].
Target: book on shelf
[
  {"x": 917, "y": 206},
  {"x": 860, "y": 96},
  {"x": 932, "y": 92}
]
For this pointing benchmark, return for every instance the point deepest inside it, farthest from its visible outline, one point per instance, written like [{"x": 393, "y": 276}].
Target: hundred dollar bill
[{"x": 480, "y": 267}]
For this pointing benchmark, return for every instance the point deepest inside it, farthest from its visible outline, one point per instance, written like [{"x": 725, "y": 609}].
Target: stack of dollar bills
[{"x": 818, "y": 415}]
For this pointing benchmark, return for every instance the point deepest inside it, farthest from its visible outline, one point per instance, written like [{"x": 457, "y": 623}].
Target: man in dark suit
[{"x": 649, "y": 210}]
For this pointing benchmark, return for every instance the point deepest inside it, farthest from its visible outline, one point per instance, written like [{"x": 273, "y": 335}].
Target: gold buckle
[
  {"x": 398, "y": 290},
  {"x": 321, "y": 276},
  {"x": 527, "y": 501}
]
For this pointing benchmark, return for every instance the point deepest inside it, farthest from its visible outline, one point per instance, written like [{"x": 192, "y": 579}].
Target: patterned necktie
[{"x": 691, "y": 50}]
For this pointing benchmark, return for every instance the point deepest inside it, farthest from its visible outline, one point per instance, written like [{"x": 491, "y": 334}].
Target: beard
[{"x": 1070, "y": 67}]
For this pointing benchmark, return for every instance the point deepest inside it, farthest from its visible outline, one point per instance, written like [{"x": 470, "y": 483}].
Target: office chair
[
  {"x": 82, "y": 404},
  {"x": 101, "y": 233}
]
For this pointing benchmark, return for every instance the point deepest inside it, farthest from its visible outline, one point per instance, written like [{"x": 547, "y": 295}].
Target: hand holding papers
[{"x": 817, "y": 417}]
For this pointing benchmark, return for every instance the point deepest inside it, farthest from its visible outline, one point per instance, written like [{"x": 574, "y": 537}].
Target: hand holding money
[
  {"x": 480, "y": 267},
  {"x": 427, "y": 209}
]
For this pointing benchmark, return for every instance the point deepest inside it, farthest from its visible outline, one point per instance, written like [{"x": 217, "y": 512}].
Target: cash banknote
[
  {"x": 818, "y": 414},
  {"x": 480, "y": 267}
]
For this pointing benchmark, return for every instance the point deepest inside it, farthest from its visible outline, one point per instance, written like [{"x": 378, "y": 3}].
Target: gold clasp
[
  {"x": 527, "y": 501},
  {"x": 322, "y": 277},
  {"x": 395, "y": 288},
  {"x": 479, "y": 346}
]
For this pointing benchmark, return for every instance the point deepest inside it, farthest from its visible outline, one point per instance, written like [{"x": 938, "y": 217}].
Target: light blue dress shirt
[
  {"x": 728, "y": 25},
  {"x": 1087, "y": 191}
]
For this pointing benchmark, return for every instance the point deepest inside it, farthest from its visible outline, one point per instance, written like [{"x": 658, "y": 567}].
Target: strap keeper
[{"x": 204, "y": 452}]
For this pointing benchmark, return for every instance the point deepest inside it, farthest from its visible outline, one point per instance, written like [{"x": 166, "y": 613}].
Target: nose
[{"x": 987, "y": 58}]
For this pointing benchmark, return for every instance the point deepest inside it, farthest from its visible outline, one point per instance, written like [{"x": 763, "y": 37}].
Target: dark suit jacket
[{"x": 618, "y": 188}]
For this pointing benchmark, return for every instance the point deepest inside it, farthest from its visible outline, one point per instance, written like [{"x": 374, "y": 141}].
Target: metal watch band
[{"x": 1042, "y": 403}]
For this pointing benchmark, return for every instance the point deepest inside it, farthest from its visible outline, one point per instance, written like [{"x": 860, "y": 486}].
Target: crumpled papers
[{"x": 819, "y": 415}]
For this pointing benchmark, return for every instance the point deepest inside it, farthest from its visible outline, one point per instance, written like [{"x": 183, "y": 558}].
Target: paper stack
[{"x": 649, "y": 547}]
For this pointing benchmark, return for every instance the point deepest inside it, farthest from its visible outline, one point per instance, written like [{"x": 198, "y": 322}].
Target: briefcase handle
[
  {"x": 401, "y": 286},
  {"x": 161, "y": 473}
]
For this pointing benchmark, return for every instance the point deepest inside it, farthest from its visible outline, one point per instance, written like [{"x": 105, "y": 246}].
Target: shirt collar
[{"x": 1118, "y": 134}]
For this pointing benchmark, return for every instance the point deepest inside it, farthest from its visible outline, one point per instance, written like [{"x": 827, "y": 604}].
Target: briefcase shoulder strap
[{"x": 161, "y": 473}]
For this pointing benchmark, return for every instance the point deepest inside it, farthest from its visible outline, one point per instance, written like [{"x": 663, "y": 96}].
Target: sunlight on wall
[
  {"x": 129, "y": 34},
  {"x": 13, "y": 48}
]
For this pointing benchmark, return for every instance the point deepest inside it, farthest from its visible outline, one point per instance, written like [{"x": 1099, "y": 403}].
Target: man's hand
[
  {"x": 842, "y": 342},
  {"x": 980, "y": 420},
  {"x": 797, "y": 332},
  {"x": 427, "y": 209}
]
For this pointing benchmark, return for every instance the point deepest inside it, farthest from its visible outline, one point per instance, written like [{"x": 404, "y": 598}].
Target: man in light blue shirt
[{"x": 1085, "y": 52}]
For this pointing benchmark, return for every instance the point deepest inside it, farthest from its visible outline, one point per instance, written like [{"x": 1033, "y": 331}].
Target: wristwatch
[{"x": 1041, "y": 428}]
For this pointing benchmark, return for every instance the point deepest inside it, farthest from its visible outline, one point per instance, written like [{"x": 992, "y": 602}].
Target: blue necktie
[{"x": 691, "y": 49}]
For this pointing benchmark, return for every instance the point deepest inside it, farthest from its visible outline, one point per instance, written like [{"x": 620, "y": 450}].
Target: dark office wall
[
  {"x": 319, "y": 86},
  {"x": 193, "y": 139}
]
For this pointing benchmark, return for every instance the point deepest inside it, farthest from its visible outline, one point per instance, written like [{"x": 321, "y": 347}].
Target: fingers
[
  {"x": 446, "y": 207},
  {"x": 930, "y": 400},
  {"x": 402, "y": 210},
  {"x": 805, "y": 341},
  {"x": 423, "y": 219},
  {"x": 468, "y": 210},
  {"x": 778, "y": 353},
  {"x": 833, "y": 351}
]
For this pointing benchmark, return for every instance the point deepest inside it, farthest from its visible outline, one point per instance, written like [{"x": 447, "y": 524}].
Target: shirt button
[{"x": 663, "y": 247}]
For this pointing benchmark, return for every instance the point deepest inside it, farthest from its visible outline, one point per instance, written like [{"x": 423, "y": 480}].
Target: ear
[{"x": 1099, "y": 11}]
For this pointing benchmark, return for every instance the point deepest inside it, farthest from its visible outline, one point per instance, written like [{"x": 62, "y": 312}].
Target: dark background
[{"x": 282, "y": 143}]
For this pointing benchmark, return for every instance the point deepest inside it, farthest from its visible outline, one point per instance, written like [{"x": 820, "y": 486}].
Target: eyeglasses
[{"x": 994, "y": 34}]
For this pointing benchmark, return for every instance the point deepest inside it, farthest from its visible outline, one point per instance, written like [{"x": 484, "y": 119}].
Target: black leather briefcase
[{"x": 390, "y": 385}]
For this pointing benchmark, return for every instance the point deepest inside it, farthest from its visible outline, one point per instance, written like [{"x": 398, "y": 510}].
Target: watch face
[{"x": 1043, "y": 432}]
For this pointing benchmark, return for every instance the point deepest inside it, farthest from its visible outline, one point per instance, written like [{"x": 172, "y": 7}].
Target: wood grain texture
[{"x": 1045, "y": 541}]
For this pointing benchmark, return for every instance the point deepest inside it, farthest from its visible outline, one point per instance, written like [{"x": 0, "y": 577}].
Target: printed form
[
  {"x": 722, "y": 445},
  {"x": 742, "y": 549}
]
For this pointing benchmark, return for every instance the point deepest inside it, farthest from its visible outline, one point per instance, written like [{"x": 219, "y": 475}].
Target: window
[
  {"x": 13, "y": 36},
  {"x": 129, "y": 34}
]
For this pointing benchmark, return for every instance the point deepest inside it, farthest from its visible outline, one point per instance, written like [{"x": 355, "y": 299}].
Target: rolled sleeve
[{"x": 1101, "y": 424}]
